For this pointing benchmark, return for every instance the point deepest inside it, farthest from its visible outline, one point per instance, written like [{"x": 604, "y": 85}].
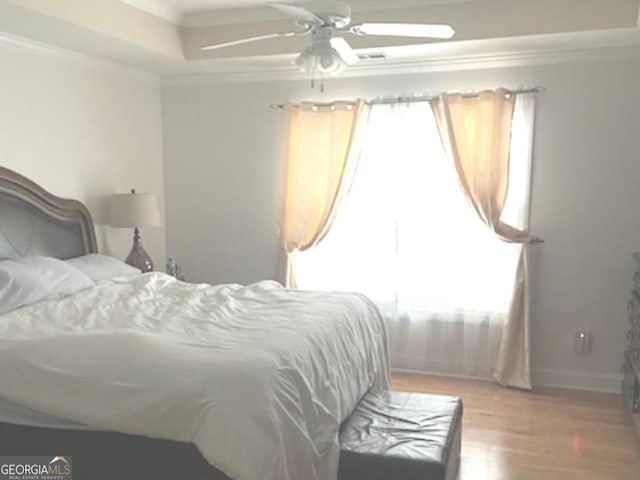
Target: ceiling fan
[{"x": 329, "y": 53}]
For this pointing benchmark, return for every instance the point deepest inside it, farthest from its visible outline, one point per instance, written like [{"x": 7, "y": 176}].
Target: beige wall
[
  {"x": 222, "y": 152},
  {"x": 83, "y": 129}
]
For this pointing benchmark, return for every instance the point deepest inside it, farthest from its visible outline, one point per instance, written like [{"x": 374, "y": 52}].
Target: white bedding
[
  {"x": 259, "y": 378},
  {"x": 11, "y": 412}
]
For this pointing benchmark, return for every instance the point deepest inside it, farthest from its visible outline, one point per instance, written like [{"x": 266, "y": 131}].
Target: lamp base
[{"x": 138, "y": 257}]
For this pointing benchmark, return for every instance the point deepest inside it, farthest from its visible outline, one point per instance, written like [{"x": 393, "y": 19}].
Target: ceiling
[
  {"x": 187, "y": 11},
  {"x": 165, "y": 36},
  {"x": 183, "y": 6}
]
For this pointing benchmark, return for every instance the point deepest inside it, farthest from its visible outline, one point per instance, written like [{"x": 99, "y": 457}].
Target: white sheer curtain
[{"x": 407, "y": 238}]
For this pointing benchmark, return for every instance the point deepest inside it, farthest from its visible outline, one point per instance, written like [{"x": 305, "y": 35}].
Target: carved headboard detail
[{"x": 36, "y": 222}]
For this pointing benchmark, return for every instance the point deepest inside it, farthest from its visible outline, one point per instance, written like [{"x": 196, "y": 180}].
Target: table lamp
[{"x": 135, "y": 210}]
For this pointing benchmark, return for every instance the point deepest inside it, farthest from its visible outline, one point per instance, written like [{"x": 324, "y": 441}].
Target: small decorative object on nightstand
[
  {"x": 134, "y": 210},
  {"x": 631, "y": 366},
  {"x": 174, "y": 269}
]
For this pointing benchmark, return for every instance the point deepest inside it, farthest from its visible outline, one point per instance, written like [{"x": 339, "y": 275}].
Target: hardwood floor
[{"x": 549, "y": 434}]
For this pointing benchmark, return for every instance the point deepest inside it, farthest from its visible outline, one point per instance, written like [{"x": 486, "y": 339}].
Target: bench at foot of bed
[
  {"x": 402, "y": 436},
  {"x": 390, "y": 436}
]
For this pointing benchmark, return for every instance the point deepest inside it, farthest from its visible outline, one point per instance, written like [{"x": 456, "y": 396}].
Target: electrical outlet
[{"x": 582, "y": 342}]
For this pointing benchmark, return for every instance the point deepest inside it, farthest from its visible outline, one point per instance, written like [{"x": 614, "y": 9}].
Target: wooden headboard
[{"x": 36, "y": 222}]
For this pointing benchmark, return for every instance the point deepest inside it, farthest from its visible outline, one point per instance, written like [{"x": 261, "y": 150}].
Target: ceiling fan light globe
[
  {"x": 304, "y": 60},
  {"x": 326, "y": 61},
  {"x": 299, "y": 62},
  {"x": 320, "y": 58}
]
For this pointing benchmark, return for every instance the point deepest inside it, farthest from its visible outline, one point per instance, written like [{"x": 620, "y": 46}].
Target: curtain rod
[{"x": 417, "y": 98}]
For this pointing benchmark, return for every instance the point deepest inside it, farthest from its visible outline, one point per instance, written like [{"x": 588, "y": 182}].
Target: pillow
[
  {"x": 101, "y": 267},
  {"x": 36, "y": 279}
]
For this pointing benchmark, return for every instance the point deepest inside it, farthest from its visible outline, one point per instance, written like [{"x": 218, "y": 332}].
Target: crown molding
[
  {"x": 45, "y": 49},
  {"x": 416, "y": 66}
]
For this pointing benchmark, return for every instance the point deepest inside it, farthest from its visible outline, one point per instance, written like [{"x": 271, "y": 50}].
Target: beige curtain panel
[
  {"x": 476, "y": 132},
  {"x": 323, "y": 149}
]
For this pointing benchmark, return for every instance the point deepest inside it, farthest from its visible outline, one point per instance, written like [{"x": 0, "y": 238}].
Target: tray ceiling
[
  {"x": 186, "y": 10},
  {"x": 165, "y": 36}
]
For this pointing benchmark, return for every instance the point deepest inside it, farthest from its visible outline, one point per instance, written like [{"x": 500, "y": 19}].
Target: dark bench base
[
  {"x": 390, "y": 436},
  {"x": 402, "y": 436}
]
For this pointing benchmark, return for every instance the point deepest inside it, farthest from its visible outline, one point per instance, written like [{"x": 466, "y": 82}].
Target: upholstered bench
[{"x": 402, "y": 436}]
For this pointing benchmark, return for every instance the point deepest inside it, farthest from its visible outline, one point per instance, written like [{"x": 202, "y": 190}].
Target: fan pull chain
[{"x": 319, "y": 81}]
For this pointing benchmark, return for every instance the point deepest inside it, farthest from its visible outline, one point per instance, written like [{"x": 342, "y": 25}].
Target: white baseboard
[
  {"x": 438, "y": 374},
  {"x": 596, "y": 382},
  {"x": 599, "y": 382}
]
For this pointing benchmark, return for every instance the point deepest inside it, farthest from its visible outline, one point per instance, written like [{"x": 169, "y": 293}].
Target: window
[{"x": 406, "y": 236}]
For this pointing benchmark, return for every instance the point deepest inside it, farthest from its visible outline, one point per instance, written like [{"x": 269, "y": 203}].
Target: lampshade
[{"x": 135, "y": 210}]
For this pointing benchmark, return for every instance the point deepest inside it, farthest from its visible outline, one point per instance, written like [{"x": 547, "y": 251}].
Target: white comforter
[{"x": 259, "y": 378}]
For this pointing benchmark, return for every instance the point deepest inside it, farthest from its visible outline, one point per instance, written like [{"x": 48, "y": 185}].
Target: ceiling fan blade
[
  {"x": 253, "y": 39},
  {"x": 404, "y": 30},
  {"x": 298, "y": 12},
  {"x": 344, "y": 50}
]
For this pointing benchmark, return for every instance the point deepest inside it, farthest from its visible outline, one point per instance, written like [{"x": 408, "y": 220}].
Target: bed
[{"x": 148, "y": 377}]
